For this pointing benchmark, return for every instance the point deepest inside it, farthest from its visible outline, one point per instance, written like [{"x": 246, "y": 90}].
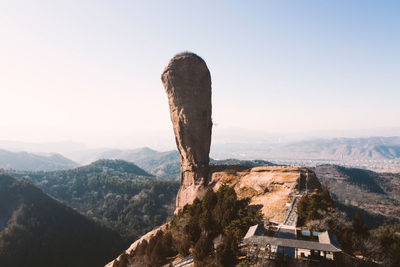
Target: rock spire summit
[{"x": 187, "y": 82}]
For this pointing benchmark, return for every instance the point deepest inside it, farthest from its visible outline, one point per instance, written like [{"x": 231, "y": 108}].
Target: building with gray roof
[{"x": 325, "y": 248}]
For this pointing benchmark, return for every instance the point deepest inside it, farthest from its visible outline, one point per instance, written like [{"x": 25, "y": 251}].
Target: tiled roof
[
  {"x": 255, "y": 230},
  {"x": 291, "y": 243},
  {"x": 327, "y": 241},
  {"x": 328, "y": 238}
]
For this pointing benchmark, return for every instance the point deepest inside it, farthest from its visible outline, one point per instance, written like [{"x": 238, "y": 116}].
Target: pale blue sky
[{"x": 89, "y": 71}]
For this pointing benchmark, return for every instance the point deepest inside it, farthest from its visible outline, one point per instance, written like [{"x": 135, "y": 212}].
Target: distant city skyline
[{"x": 89, "y": 71}]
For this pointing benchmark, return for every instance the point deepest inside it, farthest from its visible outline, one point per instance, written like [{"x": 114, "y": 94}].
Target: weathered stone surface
[
  {"x": 271, "y": 187},
  {"x": 187, "y": 82}
]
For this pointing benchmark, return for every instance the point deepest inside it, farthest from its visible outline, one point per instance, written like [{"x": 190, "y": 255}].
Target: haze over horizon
[{"x": 90, "y": 72}]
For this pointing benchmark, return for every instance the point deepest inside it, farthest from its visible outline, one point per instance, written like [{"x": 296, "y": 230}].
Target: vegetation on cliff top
[{"x": 210, "y": 230}]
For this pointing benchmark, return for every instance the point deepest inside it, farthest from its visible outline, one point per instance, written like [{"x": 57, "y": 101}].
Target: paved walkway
[
  {"x": 291, "y": 214},
  {"x": 185, "y": 261}
]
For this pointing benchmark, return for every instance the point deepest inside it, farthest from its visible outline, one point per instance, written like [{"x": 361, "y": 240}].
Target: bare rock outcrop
[
  {"x": 270, "y": 187},
  {"x": 187, "y": 82}
]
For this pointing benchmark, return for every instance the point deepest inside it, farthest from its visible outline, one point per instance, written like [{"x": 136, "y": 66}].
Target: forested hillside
[
  {"x": 115, "y": 192},
  {"x": 163, "y": 164},
  {"x": 36, "y": 230},
  {"x": 375, "y": 195},
  {"x": 317, "y": 211}
]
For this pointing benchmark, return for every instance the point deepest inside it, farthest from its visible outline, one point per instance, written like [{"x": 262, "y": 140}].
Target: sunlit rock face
[
  {"x": 187, "y": 82},
  {"x": 269, "y": 187}
]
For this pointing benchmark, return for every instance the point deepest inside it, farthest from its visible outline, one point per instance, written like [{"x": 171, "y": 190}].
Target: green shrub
[{"x": 195, "y": 227}]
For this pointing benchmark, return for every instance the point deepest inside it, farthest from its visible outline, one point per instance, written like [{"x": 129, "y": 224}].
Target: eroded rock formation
[{"x": 187, "y": 82}]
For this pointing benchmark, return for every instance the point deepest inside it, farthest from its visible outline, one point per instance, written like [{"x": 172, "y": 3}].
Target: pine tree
[{"x": 359, "y": 226}]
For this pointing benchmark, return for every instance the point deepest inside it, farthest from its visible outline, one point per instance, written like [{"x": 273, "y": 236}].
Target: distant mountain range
[
  {"x": 342, "y": 151},
  {"x": 372, "y": 148},
  {"x": 167, "y": 164},
  {"x": 89, "y": 155},
  {"x": 152, "y": 162},
  {"x": 36, "y": 230},
  {"x": 161, "y": 164},
  {"x": 34, "y": 162},
  {"x": 346, "y": 151}
]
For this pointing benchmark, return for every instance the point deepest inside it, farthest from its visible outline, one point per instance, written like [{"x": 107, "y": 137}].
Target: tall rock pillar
[{"x": 187, "y": 82}]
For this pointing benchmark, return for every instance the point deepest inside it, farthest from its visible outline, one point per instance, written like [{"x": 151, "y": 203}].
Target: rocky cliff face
[{"x": 187, "y": 83}]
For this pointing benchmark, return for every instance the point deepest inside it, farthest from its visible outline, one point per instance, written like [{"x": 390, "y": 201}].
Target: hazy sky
[{"x": 89, "y": 71}]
